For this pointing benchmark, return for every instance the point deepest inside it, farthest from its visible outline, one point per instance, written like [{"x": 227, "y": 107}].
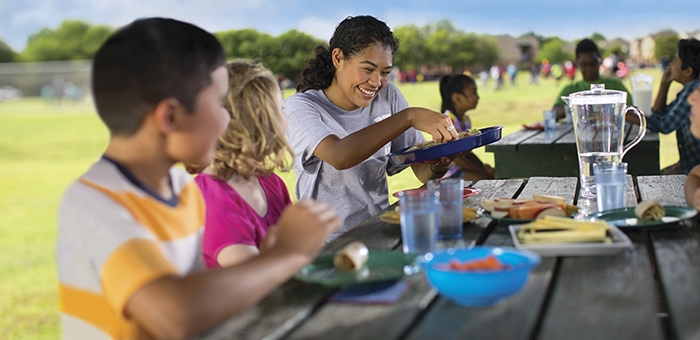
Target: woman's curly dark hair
[{"x": 352, "y": 36}]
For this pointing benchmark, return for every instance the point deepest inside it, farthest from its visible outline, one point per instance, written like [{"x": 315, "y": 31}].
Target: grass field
[{"x": 43, "y": 148}]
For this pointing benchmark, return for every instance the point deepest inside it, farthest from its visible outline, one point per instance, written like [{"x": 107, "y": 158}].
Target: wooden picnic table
[
  {"x": 528, "y": 153},
  {"x": 647, "y": 292}
]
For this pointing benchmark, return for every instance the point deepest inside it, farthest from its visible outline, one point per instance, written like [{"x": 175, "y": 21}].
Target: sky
[{"x": 567, "y": 19}]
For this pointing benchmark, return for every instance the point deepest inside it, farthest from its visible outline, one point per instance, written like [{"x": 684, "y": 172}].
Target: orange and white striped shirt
[{"x": 114, "y": 236}]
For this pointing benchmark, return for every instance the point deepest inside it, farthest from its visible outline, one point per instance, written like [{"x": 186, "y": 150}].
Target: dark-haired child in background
[{"x": 459, "y": 95}]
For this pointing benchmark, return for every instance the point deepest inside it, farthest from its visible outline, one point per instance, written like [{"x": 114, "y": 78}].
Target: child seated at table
[
  {"x": 674, "y": 116},
  {"x": 244, "y": 197},
  {"x": 459, "y": 95},
  {"x": 129, "y": 229},
  {"x": 692, "y": 183},
  {"x": 588, "y": 61}
]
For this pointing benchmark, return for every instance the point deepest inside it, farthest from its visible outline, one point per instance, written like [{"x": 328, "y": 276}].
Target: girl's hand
[{"x": 438, "y": 125}]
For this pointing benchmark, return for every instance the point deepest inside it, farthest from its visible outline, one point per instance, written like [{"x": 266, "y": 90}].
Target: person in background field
[
  {"x": 692, "y": 182},
  {"x": 129, "y": 230},
  {"x": 666, "y": 118},
  {"x": 459, "y": 95},
  {"x": 588, "y": 62},
  {"x": 242, "y": 194},
  {"x": 346, "y": 118}
]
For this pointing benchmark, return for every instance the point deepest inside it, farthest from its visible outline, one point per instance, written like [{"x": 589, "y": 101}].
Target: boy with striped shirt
[{"x": 129, "y": 239}]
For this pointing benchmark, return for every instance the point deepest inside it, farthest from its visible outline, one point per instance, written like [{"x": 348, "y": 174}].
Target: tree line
[{"x": 440, "y": 46}]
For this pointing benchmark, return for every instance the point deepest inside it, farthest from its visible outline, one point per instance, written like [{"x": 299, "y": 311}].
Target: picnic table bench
[
  {"x": 646, "y": 292},
  {"x": 528, "y": 153}
]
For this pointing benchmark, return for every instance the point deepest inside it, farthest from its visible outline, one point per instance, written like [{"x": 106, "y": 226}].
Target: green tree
[
  {"x": 553, "y": 51},
  {"x": 73, "y": 40},
  {"x": 597, "y": 37},
  {"x": 7, "y": 55},
  {"x": 288, "y": 53},
  {"x": 486, "y": 50},
  {"x": 245, "y": 43},
  {"x": 617, "y": 49},
  {"x": 411, "y": 53},
  {"x": 540, "y": 38},
  {"x": 283, "y": 55},
  {"x": 666, "y": 45}
]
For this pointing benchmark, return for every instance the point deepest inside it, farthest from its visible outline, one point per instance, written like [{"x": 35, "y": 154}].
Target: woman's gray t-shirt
[{"x": 356, "y": 193}]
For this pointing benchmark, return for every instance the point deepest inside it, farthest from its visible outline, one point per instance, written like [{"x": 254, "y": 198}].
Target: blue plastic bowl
[{"x": 479, "y": 288}]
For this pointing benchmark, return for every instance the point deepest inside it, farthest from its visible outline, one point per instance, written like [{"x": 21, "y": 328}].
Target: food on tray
[
  {"x": 537, "y": 207},
  {"x": 650, "y": 211},
  {"x": 427, "y": 144},
  {"x": 352, "y": 257},
  {"x": 392, "y": 216},
  {"x": 552, "y": 229},
  {"x": 488, "y": 263}
]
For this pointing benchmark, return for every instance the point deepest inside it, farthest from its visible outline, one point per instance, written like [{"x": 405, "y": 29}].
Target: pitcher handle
[{"x": 640, "y": 134}]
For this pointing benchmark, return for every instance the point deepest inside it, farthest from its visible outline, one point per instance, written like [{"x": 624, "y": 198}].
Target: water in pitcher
[
  {"x": 599, "y": 133},
  {"x": 586, "y": 161}
]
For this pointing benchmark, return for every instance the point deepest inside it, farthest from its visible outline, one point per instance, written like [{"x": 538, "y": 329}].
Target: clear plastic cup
[
  {"x": 610, "y": 182},
  {"x": 418, "y": 211},
  {"x": 550, "y": 122},
  {"x": 451, "y": 196}
]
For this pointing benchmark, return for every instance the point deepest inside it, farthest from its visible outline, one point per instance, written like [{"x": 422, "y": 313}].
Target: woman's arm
[{"x": 355, "y": 148}]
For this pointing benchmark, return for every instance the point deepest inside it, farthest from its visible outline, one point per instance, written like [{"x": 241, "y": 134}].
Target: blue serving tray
[{"x": 487, "y": 136}]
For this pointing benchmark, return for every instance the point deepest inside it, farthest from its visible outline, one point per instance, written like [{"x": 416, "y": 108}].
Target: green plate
[
  {"x": 382, "y": 266},
  {"x": 625, "y": 217}
]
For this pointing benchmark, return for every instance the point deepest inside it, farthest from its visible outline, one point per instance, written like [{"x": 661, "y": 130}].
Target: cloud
[{"x": 317, "y": 27}]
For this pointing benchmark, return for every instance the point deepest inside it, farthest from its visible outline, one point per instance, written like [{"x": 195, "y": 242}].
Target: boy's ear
[{"x": 165, "y": 115}]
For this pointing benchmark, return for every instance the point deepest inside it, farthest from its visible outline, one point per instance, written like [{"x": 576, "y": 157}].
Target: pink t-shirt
[{"x": 229, "y": 218}]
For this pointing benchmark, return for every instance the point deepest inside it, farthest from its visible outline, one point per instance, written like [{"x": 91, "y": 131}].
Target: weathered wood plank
[
  {"x": 567, "y": 142},
  {"x": 511, "y": 141},
  {"x": 520, "y": 312},
  {"x": 555, "y": 186},
  {"x": 667, "y": 190},
  {"x": 274, "y": 315},
  {"x": 677, "y": 252},
  {"x": 604, "y": 297},
  {"x": 491, "y": 189},
  {"x": 542, "y": 142}
]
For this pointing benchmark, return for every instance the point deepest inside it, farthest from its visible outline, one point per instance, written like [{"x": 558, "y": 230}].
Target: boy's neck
[{"x": 145, "y": 161}]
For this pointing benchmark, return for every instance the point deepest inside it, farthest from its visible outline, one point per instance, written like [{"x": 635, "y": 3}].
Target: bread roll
[
  {"x": 352, "y": 257},
  {"x": 650, "y": 211}
]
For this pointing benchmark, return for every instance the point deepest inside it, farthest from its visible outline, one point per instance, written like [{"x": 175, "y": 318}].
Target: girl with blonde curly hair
[{"x": 243, "y": 196}]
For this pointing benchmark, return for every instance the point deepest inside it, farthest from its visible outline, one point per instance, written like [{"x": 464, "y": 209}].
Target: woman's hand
[{"x": 438, "y": 125}]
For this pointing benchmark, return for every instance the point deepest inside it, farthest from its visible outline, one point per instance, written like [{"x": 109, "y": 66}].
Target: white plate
[{"x": 620, "y": 243}]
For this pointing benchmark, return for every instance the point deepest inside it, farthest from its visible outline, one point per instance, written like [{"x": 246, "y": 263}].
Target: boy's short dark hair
[
  {"x": 586, "y": 45},
  {"x": 147, "y": 61},
  {"x": 689, "y": 55}
]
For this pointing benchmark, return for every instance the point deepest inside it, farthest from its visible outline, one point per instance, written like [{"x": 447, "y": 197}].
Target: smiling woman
[{"x": 346, "y": 118}]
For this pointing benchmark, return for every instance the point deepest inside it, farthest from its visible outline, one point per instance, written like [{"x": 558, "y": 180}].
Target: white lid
[{"x": 598, "y": 95}]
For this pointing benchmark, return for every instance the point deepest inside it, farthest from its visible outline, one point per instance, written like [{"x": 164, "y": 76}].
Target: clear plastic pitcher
[
  {"x": 642, "y": 87},
  {"x": 599, "y": 126}
]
